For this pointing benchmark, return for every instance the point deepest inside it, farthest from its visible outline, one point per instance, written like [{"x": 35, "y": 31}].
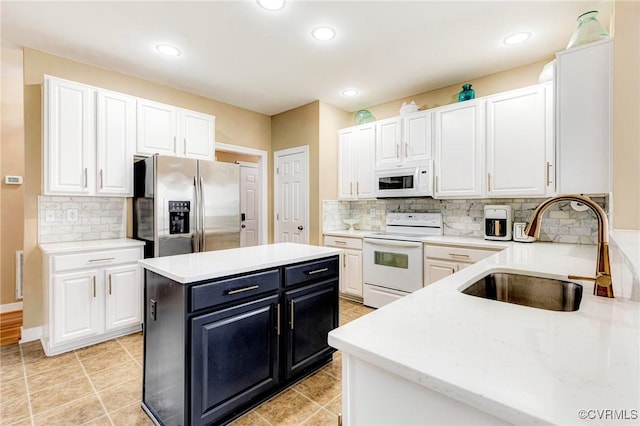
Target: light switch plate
[
  {"x": 72, "y": 215},
  {"x": 49, "y": 216}
]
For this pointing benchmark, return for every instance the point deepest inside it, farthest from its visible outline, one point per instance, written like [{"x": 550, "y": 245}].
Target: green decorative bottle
[{"x": 467, "y": 93}]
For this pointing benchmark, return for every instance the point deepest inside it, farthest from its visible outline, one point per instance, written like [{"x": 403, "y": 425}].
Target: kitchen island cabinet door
[
  {"x": 312, "y": 312},
  {"x": 234, "y": 358}
]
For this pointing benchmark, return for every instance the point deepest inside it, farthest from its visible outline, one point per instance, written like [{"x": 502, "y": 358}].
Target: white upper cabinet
[
  {"x": 388, "y": 141},
  {"x": 197, "y": 134},
  {"x": 416, "y": 134},
  {"x": 88, "y": 140},
  {"x": 157, "y": 128},
  {"x": 583, "y": 83},
  {"x": 69, "y": 137},
  {"x": 403, "y": 139},
  {"x": 115, "y": 139},
  {"x": 459, "y": 155},
  {"x": 169, "y": 130},
  {"x": 518, "y": 133},
  {"x": 356, "y": 161}
]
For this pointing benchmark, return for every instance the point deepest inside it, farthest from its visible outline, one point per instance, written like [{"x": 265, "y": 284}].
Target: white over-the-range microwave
[{"x": 406, "y": 181}]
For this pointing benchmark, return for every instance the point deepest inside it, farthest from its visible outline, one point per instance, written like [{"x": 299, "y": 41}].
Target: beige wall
[
  {"x": 232, "y": 157},
  {"x": 11, "y": 163},
  {"x": 626, "y": 116},
  {"x": 299, "y": 127},
  {"x": 235, "y": 126},
  {"x": 494, "y": 83}
]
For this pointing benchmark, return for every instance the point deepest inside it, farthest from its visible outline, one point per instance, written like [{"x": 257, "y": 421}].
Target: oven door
[{"x": 393, "y": 264}]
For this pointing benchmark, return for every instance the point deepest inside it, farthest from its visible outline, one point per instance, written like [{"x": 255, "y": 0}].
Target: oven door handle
[{"x": 393, "y": 243}]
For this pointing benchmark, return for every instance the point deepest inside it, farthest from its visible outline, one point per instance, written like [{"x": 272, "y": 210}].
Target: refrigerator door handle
[
  {"x": 202, "y": 236},
  {"x": 196, "y": 216}
]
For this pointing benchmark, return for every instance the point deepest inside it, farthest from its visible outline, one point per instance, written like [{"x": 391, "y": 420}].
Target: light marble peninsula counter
[{"x": 439, "y": 356}]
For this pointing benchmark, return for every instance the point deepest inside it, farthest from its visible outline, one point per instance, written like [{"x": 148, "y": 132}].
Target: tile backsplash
[
  {"x": 464, "y": 217},
  {"x": 80, "y": 218}
]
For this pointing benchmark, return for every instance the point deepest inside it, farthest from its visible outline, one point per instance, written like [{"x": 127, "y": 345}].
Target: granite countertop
[
  {"x": 90, "y": 245},
  {"x": 522, "y": 364},
  {"x": 189, "y": 268}
]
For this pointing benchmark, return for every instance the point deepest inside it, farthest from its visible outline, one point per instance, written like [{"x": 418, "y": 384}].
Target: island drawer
[
  {"x": 223, "y": 291},
  {"x": 311, "y": 271}
]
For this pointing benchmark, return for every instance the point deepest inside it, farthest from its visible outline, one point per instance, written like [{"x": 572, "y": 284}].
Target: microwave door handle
[{"x": 393, "y": 243}]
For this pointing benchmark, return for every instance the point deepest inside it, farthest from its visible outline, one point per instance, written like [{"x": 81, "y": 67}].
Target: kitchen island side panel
[{"x": 163, "y": 390}]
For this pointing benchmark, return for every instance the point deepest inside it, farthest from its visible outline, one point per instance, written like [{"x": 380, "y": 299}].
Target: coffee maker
[{"x": 497, "y": 223}]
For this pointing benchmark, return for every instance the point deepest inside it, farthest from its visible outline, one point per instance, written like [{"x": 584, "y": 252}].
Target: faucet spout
[{"x": 603, "y": 285}]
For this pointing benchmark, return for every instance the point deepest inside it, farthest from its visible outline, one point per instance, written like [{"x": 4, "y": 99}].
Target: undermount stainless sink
[{"x": 536, "y": 292}]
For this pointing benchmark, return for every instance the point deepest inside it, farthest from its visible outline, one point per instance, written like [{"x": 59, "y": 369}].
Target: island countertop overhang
[{"x": 194, "y": 267}]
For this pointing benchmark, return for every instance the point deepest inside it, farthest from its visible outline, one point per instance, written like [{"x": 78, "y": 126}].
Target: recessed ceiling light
[
  {"x": 350, "y": 92},
  {"x": 517, "y": 38},
  {"x": 271, "y": 4},
  {"x": 323, "y": 33},
  {"x": 167, "y": 49}
]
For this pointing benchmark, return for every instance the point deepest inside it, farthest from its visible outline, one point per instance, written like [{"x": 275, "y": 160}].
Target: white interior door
[
  {"x": 292, "y": 195},
  {"x": 249, "y": 204}
]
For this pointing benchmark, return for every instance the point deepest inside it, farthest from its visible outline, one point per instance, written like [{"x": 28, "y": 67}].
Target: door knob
[
  {"x": 300, "y": 228},
  {"x": 244, "y": 226}
]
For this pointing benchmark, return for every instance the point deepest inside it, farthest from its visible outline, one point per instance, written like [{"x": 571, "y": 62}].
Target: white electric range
[{"x": 393, "y": 260}]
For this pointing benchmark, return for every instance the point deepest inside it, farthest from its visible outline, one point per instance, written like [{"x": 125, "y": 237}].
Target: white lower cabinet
[
  {"x": 123, "y": 303},
  {"x": 90, "y": 295},
  {"x": 76, "y": 309},
  {"x": 440, "y": 260},
  {"x": 350, "y": 264}
]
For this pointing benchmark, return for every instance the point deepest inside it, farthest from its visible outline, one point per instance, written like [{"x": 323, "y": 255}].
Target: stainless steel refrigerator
[{"x": 181, "y": 205}]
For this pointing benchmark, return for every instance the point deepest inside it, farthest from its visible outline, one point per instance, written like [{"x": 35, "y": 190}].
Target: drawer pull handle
[
  {"x": 240, "y": 290},
  {"x": 292, "y": 312},
  {"x": 278, "y": 320},
  {"x": 104, "y": 259},
  {"x": 317, "y": 271},
  {"x": 466, "y": 256},
  {"x": 340, "y": 242}
]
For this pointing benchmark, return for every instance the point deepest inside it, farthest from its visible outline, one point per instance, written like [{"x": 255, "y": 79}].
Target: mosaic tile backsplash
[
  {"x": 464, "y": 217},
  {"x": 80, "y": 218}
]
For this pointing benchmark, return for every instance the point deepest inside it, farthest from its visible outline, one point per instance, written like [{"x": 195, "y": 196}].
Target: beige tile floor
[{"x": 101, "y": 385}]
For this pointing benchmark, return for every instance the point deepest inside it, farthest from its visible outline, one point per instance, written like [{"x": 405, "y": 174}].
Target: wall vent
[{"x": 19, "y": 273}]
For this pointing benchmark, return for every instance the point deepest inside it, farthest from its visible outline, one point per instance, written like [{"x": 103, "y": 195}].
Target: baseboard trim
[
  {"x": 10, "y": 307},
  {"x": 31, "y": 334}
]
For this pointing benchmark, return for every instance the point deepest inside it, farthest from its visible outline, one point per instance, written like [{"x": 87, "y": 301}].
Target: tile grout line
[
  {"x": 315, "y": 412},
  {"x": 128, "y": 353},
  {"x": 26, "y": 386},
  {"x": 94, "y": 388},
  {"x": 258, "y": 414}
]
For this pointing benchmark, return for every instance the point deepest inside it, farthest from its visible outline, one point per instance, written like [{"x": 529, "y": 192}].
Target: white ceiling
[{"x": 241, "y": 54}]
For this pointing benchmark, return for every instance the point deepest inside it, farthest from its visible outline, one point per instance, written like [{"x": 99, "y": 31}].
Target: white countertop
[
  {"x": 524, "y": 365},
  {"x": 469, "y": 242},
  {"x": 356, "y": 233},
  {"x": 629, "y": 243},
  {"x": 91, "y": 245},
  {"x": 189, "y": 268}
]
